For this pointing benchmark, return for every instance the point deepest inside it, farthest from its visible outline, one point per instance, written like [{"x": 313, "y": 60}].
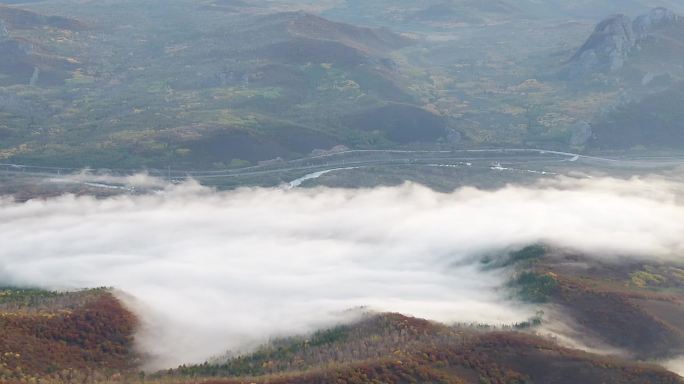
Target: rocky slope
[
  {"x": 651, "y": 122},
  {"x": 618, "y": 40}
]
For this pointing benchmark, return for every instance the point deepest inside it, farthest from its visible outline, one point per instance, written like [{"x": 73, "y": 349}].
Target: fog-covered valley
[
  {"x": 300, "y": 191},
  {"x": 218, "y": 271}
]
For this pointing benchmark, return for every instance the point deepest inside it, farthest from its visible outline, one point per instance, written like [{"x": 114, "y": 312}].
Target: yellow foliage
[{"x": 644, "y": 279}]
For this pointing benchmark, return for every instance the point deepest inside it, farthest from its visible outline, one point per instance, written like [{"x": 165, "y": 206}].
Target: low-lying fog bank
[
  {"x": 676, "y": 365},
  {"x": 210, "y": 271}
]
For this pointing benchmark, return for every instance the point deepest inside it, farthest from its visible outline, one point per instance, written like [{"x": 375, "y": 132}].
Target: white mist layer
[
  {"x": 675, "y": 365},
  {"x": 214, "y": 271}
]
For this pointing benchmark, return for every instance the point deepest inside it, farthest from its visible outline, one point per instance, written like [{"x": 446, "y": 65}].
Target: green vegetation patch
[
  {"x": 34, "y": 297},
  {"x": 658, "y": 277},
  {"x": 645, "y": 279},
  {"x": 25, "y": 297},
  {"x": 263, "y": 360},
  {"x": 527, "y": 255},
  {"x": 535, "y": 287}
]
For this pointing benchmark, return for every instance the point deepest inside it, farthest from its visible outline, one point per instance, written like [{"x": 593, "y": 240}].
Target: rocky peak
[
  {"x": 609, "y": 45},
  {"x": 614, "y": 39}
]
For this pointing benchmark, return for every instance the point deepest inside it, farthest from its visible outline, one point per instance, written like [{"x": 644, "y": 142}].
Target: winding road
[{"x": 315, "y": 166}]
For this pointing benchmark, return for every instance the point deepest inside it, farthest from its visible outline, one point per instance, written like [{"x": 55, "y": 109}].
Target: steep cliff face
[
  {"x": 4, "y": 34},
  {"x": 609, "y": 45},
  {"x": 617, "y": 38}
]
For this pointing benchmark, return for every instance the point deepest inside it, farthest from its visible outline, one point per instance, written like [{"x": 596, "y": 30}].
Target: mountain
[
  {"x": 119, "y": 85},
  {"x": 640, "y": 59},
  {"x": 650, "y": 44},
  {"x": 229, "y": 90},
  {"x": 463, "y": 11},
  {"x": 307, "y": 59},
  {"x": 445, "y": 14}
]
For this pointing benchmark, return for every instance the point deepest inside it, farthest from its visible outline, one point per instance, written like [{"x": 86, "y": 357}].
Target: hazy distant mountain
[
  {"x": 444, "y": 13},
  {"x": 595, "y": 9}
]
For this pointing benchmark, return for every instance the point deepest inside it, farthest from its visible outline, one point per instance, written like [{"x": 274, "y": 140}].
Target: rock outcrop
[
  {"x": 4, "y": 33},
  {"x": 616, "y": 38},
  {"x": 608, "y": 47}
]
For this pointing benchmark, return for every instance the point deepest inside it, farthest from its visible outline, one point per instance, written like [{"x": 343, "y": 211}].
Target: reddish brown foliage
[
  {"x": 603, "y": 300},
  {"x": 96, "y": 335}
]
